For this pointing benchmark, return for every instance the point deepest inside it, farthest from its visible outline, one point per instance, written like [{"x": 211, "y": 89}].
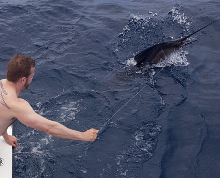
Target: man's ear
[{"x": 23, "y": 80}]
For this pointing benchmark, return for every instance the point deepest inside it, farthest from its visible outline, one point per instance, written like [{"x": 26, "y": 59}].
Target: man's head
[{"x": 20, "y": 67}]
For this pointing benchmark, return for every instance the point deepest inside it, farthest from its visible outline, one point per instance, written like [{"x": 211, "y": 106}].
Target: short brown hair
[{"x": 19, "y": 66}]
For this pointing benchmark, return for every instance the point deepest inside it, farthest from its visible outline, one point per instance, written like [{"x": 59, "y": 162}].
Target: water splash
[
  {"x": 177, "y": 58},
  {"x": 69, "y": 111},
  {"x": 130, "y": 62},
  {"x": 143, "y": 31},
  {"x": 180, "y": 17}
]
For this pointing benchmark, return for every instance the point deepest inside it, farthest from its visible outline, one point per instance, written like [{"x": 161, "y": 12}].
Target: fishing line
[{"x": 110, "y": 119}]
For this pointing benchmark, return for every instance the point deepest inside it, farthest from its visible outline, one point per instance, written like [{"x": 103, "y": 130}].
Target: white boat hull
[{"x": 5, "y": 157}]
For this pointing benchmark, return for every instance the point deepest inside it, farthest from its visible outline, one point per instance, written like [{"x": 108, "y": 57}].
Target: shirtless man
[{"x": 20, "y": 73}]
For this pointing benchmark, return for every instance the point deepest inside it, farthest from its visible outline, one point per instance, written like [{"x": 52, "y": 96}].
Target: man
[{"x": 20, "y": 73}]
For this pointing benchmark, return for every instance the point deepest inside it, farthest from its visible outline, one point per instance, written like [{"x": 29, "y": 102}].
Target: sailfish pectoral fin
[{"x": 148, "y": 54}]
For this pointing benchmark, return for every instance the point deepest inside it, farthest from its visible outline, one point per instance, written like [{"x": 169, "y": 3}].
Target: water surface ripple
[{"x": 157, "y": 122}]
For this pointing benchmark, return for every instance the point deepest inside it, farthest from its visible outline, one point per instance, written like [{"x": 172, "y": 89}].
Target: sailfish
[{"x": 159, "y": 52}]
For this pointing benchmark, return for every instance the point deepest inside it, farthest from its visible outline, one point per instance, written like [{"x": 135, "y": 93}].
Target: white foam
[
  {"x": 145, "y": 17},
  {"x": 36, "y": 149},
  {"x": 84, "y": 171},
  {"x": 177, "y": 58},
  {"x": 179, "y": 17},
  {"x": 69, "y": 111},
  {"x": 130, "y": 62}
]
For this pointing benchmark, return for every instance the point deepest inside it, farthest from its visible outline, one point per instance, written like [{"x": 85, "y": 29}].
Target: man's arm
[{"x": 26, "y": 115}]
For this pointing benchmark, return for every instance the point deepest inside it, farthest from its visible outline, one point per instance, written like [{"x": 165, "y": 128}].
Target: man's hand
[
  {"x": 11, "y": 140},
  {"x": 89, "y": 135}
]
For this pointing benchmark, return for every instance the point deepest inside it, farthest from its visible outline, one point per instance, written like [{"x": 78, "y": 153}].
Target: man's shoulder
[
  {"x": 21, "y": 108},
  {"x": 19, "y": 103}
]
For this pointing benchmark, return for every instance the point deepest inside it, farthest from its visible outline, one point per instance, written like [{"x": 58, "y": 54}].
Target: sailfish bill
[{"x": 159, "y": 52}]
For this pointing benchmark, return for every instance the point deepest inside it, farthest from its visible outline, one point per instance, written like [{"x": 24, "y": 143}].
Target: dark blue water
[{"x": 158, "y": 122}]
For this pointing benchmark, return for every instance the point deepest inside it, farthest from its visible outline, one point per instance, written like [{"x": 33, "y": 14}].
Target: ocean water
[{"x": 161, "y": 121}]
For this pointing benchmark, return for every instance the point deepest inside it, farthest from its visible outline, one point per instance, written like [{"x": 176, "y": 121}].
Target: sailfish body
[{"x": 159, "y": 52}]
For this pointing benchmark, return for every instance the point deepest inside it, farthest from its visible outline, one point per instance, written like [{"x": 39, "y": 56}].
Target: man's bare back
[{"x": 6, "y": 116}]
